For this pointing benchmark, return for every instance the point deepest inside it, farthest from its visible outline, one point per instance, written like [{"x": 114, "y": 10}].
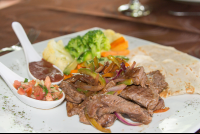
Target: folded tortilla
[{"x": 181, "y": 71}]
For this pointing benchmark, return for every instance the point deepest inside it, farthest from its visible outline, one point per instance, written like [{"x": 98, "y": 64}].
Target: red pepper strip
[
  {"x": 161, "y": 110},
  {"x": 93, "y": 74},
  {"x": 96, "y": 125}
]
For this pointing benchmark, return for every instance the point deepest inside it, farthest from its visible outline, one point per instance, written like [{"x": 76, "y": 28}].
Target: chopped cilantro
[
  {"x": 52, "y": 87},
  {"x": 45, "y": 90},
  {"x": 3, "y": 107},
  {"x": 26, "y": 80},
  {"x": 56, "y": 99},
  {"x": 40, "y": 85}
]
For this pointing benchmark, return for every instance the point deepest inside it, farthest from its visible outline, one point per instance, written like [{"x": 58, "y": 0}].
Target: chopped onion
[
  {"x": 107, "y": 80},
  {"x": 119, "y": 80},
  {"x": 117, "y": 88},
  {"x": 118, "y": 73},
  {"x": 122, "y": 119},
  {"x": 123, "y": 66}
]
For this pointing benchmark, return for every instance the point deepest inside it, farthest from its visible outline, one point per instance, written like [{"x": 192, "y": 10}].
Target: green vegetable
[
  {"x": 87, "y": 56},
  {"x": 112, "y": 58},
  {"x": 26, "y": 80},
  {"x": 70, "y": 67},
  {"x": 87, "y": 47},
  {"x": 127, "y": 82},
  {"x": 45, "y": 90},
  {"x": 102, "y": 60},
  {"x": 81, "y": 90},
  {"x": 76, "y": 47}
]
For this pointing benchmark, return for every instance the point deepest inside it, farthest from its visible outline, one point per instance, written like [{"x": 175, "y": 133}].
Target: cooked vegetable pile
[
  {"x": 56, "y": 54},
  {"x": 88, "y": 46}
]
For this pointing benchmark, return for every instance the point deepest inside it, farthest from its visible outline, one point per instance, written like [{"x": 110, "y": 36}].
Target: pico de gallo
[{"x": 38, "y": 89}]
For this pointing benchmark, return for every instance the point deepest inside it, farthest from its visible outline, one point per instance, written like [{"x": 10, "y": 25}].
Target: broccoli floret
[
  {"x": 97, "y": 42},
  {"x": 94, "y": 41},
  {"x": 75, "y": 47}
]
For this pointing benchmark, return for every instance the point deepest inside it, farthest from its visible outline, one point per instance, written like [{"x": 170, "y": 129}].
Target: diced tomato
[
  {"x": 21, "y": 91},
  {"x": 56, "y": 86},
  {"x": 38, "y": 93},
  {"x": 49, "y": 97},
  {"x": 57, "y": 95},
  {"x": 17, "y": 84},
  {"x": 32, "y": 83},
  {"x": 29, "y": 91},
  {"x": 25, "y": 86}
]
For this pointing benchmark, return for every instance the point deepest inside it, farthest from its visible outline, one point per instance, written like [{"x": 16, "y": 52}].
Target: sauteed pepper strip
[
  {"x": 112, "y": 58},
  {"x": 94, "y": 123},
  {"x": 93, "y": 74},
  {"x": 127, "y": 81}
]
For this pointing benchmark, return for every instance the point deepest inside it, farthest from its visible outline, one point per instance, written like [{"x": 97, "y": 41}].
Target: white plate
[{"x": 183, "y": 116}]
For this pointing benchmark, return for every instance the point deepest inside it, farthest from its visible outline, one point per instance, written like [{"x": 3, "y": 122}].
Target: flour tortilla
[
  {"x": 180, "y": 80},
  {"x": 148, "y": 63},
  {"x": 181, "y": 71},
  {"x": 160, "y": 53}
]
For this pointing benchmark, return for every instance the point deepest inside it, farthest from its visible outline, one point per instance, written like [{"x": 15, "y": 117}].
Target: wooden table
[{"x": 60, "y": 17}]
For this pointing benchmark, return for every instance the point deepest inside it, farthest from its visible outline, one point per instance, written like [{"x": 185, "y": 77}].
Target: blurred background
[
  {"x": 167, "y": 23},
  {"x": 60, "y": 17}
]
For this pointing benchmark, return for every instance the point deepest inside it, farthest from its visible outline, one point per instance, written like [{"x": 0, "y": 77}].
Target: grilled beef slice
[
  {"x": 107, "y": 120},
  {"x": 138, "y": 75},
  {"x": 145, "y": 97},
  {"x": 156, "y": 81},
  {"x": 160, "y": 105},
  {"x": 112, "y": 103},
  {"x": 71, "y": 93}
]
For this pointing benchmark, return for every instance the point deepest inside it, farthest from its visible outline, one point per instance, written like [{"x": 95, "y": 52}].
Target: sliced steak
[
  {"x": 160, "y": 105},
  {"x": 156, "y": 81},
  {"x": 107, "y": 120},
  {"x": 138, "y": 75},
  {"x": 117, "y": 104},
  {"x": 71, "y": 93},
  {"x": 145, "y": 97},
  {"x": 72, "y": 109}
]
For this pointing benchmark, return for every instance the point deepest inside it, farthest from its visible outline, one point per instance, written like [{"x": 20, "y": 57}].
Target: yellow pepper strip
[{"x": 96, "y": 125}]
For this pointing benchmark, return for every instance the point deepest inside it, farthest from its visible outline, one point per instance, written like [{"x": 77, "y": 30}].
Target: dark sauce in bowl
[{"x": 42, "y": 69}]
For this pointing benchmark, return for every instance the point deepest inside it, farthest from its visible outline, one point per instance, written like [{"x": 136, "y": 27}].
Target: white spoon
[
  {"x": 30, "y": 53},
  {"x": 9, "y": 77}
]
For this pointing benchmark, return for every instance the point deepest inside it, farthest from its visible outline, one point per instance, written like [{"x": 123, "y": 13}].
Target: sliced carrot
[
  {"x": 124, "y": 52},
  {"x": 67, "y": 76},
  {"x": 74, "y": 71},
  {"x": 117, "y": 42},
  {"x": 109, "y": 68},
  {"x": 121, "y": 46},
  {"x": 109, "y": 75},
  {"x": 161, "y": 110},
  {"x": 126, "y": 64},
  {"x": 79, "y": 66}
]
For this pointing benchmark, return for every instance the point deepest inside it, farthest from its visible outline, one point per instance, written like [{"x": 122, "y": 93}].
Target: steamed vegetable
[
  {"x": 87, "y": 47},
  {"x": 76, "y": 47},
  {"x": 56, "y": 54}
]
